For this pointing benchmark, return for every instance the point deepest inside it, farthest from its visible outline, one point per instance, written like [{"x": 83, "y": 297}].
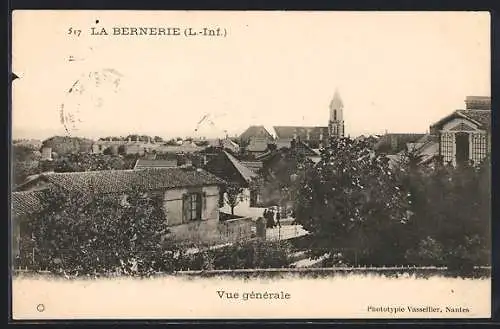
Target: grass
[{"x": 334, "y": 296}]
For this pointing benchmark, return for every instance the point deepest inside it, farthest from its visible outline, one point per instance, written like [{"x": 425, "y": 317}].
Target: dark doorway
[{"x": 462, "y": 148}]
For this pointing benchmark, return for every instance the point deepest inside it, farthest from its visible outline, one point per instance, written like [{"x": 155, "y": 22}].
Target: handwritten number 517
[{"x": 73, "y": 31}]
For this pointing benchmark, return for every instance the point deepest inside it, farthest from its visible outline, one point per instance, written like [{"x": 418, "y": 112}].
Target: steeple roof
[{"x": 336, "y": 102}]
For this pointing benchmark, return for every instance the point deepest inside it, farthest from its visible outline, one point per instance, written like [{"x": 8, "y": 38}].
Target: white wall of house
[
  {"x": 243, "y": 207},
  {"x": 173, "y": 204}
]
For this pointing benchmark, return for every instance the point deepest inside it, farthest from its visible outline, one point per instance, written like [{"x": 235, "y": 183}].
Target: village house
[
  {"x": 258, "y": 133},
  {"x": 464, "y": 136},
  {"x": 229, "y": 168},
  {"x": 190, "y": 196}
]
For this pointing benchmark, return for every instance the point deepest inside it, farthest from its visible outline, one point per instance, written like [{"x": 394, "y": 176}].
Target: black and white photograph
[{"x": 250, "y": 165}]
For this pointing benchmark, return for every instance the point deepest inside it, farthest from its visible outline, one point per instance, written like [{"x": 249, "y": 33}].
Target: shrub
[{"x": 84, "y": 234}]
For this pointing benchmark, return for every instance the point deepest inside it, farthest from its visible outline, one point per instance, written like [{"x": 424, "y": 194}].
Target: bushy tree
[
  {"x": 281, "y": 176},
  {"x": 82, "y": 233},
  {"x": 352, "y": 201},
  {"x": 25, "y": 162},
  {"x": 241, "y": 255},
  {"x": 451, "y": 214}
]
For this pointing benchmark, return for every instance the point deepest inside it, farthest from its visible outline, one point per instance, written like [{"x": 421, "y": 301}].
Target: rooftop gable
[
  {"x": 256, "y": 131},
  {"x": 482, "y": 118}
]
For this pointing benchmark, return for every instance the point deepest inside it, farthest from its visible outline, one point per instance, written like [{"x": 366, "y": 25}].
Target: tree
[
  {"x": 451, "y": 215},
  {"x": 281, "y": 175},
  {"x": 25, "y": 163},
  {"x": 233, "y": 196},
  {"x": 83, "y": 233},
  {"x": 351, "y": 201}
]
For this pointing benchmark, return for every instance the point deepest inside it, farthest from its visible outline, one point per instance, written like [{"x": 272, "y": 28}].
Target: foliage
[
  {"x": 241, "y": 255},
  {"x": 233, "y": 196},
  {"x": 88, "y": 162},
  {"x": 350, "y": 199},
  {"x": 67, "y": 144},
  {"x": 281, "y": 176},
  {"x": 414, "y": 214},
  {"x": 451, "y": 207},
  {"x": 81, "y": 233},
  {"x": 25, "y": 162}
]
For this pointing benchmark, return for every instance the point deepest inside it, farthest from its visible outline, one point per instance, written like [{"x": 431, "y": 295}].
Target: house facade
[
  {"x": 465, "y": 135},
  {"x": 190, "y": 195}
]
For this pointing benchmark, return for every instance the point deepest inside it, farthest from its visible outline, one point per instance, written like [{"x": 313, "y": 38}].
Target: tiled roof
[
  {"x": 246, "y": 173},
  {"x": 26, "y": 203},
  {"x": 288, "y": 132},
  {"x": 481, "y": 117},
  {"x": 256, "y": 131},
  {"x": 145, "y": 163},
  {"x": 112, "y": 181}
]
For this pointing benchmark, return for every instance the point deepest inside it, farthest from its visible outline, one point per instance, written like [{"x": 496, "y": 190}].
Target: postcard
[{"x": 250, "y": 165}]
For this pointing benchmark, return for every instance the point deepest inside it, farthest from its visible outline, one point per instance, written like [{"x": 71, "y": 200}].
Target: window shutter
[
  {"x": 203, "y": 205},
  {"x": 185, "y": 208}
]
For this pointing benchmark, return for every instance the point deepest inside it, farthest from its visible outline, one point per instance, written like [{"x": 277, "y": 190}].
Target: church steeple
[{"x": 336, "y": 122}]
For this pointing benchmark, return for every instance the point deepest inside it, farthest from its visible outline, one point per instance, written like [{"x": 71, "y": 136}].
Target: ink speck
[{"x": 97, "y": 21}]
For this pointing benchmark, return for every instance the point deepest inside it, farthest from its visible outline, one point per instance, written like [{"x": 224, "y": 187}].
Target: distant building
[
  {"x": 315, "y": 136},
  {"x": 465, "y": 135},
  {"x": 257, "y": 139},
  {"x": 255, "y": 132},
  {"x": 394, "y": 143}
]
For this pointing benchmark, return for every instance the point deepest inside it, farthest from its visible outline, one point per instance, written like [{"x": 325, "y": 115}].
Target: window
[
  {"x": 447, "y": 147},
  {"x": 192, "y": 206},
  {"x": 335, "y": 115},
  {"x": 479, "y": 147}
]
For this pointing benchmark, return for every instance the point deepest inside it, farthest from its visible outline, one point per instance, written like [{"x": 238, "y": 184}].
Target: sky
[{"x": 395, "y": 71}]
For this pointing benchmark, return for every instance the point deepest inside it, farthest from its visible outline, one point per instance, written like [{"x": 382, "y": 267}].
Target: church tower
[{"x": 336, "y": 122}]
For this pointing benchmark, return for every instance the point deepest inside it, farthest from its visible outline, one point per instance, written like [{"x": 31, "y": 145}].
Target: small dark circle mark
[
  {"x": 40, "y": 307},
  {"x": 97, "y": 21}
]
